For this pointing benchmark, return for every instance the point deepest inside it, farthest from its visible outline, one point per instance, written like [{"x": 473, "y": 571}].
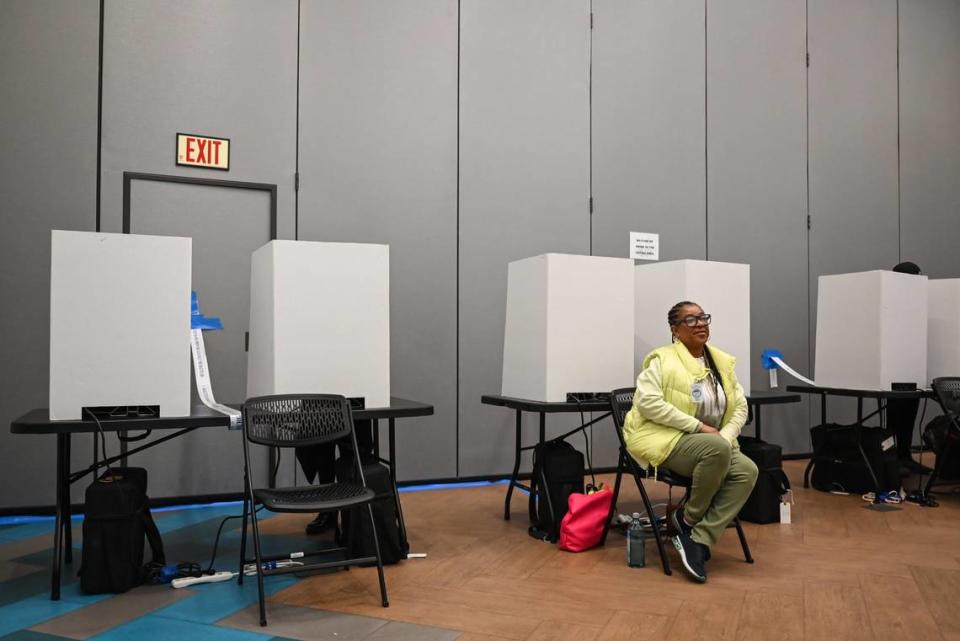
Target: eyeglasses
[{"x": 691, "y": 321}]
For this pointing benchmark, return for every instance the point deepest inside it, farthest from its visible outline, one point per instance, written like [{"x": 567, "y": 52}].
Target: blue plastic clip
[
  {"x": 766, "y": 358},
  {"x": 198, "y": 320}
]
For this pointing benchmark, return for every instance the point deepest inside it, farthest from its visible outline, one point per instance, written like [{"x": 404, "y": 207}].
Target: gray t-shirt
[{"x": 710, "y": 398}]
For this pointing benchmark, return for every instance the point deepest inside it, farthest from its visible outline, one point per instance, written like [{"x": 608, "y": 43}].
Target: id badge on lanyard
[{"x": 697, "y": 391}]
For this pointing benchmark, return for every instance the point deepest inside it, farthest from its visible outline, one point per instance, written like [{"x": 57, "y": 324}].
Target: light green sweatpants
[{"x": 722, "y": 482}]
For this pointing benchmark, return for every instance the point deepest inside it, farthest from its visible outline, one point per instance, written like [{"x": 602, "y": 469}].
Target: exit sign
[{"x": 203, "y": 151}]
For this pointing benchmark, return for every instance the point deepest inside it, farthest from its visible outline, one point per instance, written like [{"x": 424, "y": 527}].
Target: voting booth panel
[
  {"x": 721, "y": 289},
  {"x": 569, "y": 326},
  {"x": 119, "y": 322},
  {"x": 320, "y": 320},
  {"x": 871, "y": 330},
  {"x": 943, "y": 324}
]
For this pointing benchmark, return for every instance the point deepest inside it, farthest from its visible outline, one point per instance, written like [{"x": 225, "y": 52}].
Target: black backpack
[
  {"x": 557, "y": 473},
  {"x": 763, "y": 505},
  {"x": 839, "y": 465},
  {"x": 355, "y": 532},
  {"x": 116, "y": 521},
  {"x": 935, "y": 433}
]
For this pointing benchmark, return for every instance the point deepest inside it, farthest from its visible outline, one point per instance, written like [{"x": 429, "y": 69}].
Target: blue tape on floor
[{"x": 450, "y": 486}]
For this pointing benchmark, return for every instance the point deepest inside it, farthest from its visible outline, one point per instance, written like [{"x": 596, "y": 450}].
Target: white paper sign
[{"x": 644, "y": 246}]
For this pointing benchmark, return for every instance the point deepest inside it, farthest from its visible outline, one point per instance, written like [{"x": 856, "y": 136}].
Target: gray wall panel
[
  {"x": 930, "y": 135},
  {"x": 218, "y": 68},
  {"x": 853, "y": 145},
  {"x": 224, "y": 68},
  {"x": 524, "y": 183},
  {"x": 649, "y": 165},
  {"x": 48, "y": 177},
  {"x": 756, "y": 168},
  {"x": 378, "y": 163}
]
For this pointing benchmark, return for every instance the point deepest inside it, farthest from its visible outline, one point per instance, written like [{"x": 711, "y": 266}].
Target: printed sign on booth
[{"x": 203, "y": 151}]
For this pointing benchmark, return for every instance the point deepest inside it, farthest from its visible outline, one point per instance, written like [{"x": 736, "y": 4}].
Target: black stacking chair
[
  {"x": 947, "y": 390},
  {"x": 621, "y": 400},
  {"x": 295, "y": 421}
]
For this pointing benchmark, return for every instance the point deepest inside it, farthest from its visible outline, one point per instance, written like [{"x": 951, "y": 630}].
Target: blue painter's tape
[
  {"x": 198, "y": 320},
  {"x": 766, "y": 359}
]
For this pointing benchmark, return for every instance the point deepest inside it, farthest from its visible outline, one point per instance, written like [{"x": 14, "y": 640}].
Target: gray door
[
  {"x": 224, "y": 68},
  {"x": 756, "y": 188},
  {"x": 227, "y": 225},
  {"x": 524, "y": 183}
]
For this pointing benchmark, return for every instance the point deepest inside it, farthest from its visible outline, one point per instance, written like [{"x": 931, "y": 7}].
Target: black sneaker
[
  {"x": 692, "y": 556},
  {"x": 676, "y": 520},
  {"x": 322, "y": 523}
]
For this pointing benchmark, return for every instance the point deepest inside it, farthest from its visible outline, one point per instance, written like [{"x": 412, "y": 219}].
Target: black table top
[
  {"x": 860, "y": 393},
  {"x": 771, "y": 397},
  {"x": 38, "y": 421}
]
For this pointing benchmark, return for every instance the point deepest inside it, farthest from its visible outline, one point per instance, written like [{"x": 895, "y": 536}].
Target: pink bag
[{"x": 582, "y": 526}]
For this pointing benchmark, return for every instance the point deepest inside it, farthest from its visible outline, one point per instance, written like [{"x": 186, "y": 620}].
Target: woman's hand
[{"x": 707, "y": 429}]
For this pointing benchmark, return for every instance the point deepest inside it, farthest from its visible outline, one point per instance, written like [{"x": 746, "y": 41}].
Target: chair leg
[
  {"x": 657, "y": 535},
  {"x": 259, "y": 561},
  {"x": 376, "y": 548},
  {"x": 613, "y": 503},
  {"x": 743, "y": 541},
  {"x": 243, "y": 538}
]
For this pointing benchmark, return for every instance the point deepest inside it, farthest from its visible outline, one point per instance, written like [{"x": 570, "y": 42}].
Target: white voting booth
[
  {"x": 943, "y": 324},
  {"x": 569, "y": 326},
  {"x": 871, "y": 330},
  {"x": 320, "y": 320},
  {"x": 721, "y": 289},
  {"x": 119, "y": 322}
]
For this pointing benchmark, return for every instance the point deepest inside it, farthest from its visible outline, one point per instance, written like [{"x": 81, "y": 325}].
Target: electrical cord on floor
[{"x": 216, "y": 541}]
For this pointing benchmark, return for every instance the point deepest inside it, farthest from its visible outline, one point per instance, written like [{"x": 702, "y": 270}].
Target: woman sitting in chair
[{"x": 687, "y": 412}]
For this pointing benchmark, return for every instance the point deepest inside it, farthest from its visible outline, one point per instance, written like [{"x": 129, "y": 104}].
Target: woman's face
[{"x": 692, "y": 329}]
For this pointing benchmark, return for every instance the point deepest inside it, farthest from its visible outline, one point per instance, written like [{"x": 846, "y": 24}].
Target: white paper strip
[
  {"x": 789, "y": 370},
  {"x": 204, "y": 386}
]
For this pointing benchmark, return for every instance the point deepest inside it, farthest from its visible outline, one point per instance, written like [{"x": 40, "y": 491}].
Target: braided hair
[{"x": 673, "y": 316}]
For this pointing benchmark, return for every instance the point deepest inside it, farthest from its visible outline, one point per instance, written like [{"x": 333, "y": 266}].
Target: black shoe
[
  {"x": 912, "y": 467},
  {"x": 692, "y": 556},
  {"x": 676, "y": 520},
  {"x": 323, "y": 523}
]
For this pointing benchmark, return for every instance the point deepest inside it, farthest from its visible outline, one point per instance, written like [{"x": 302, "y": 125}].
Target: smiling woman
[{"x": 687, "y": 413}]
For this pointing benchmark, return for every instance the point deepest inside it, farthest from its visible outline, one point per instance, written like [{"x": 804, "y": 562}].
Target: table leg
[
  {"x": 392, "y": 445},
  {"x": 516, "y": 467},
  {"x": 543, "y": 427},
  {"x": 757, "y": 424},
  {"x": 67, "y": 521},
  {"x": 813, "y": 457},
  {"x": 58, "y": 524},
  {"x": 375, "y": 428}
]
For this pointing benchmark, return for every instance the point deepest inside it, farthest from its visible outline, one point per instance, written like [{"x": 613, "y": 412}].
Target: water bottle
[{"x": 635, "y": 543}]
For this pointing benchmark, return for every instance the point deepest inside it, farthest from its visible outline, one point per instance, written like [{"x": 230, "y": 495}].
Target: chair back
[
  {"x": 621, "y": 400},
  {"x": 947, "y": 389},
  {"x": 297, "y": 420}
]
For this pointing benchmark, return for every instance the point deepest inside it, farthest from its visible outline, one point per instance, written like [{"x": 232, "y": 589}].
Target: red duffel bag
[{"x": 582, "y": 526}]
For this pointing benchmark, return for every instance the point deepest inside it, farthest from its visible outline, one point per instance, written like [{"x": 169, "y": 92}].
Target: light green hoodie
[{"x": 663, "y": 407}]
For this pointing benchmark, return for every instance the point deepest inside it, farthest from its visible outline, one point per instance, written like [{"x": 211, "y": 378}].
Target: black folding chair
[
  {"x": 947, "y": 389},
  {"x": 621, "y": 400},
  {"x": 296, "y": 421}
]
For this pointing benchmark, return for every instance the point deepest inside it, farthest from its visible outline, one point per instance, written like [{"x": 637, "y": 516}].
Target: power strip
[{"x": 206, "y": 578}]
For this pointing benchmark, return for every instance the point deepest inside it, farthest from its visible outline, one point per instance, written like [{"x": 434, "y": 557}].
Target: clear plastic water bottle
[{"x": 636, "y": 539}]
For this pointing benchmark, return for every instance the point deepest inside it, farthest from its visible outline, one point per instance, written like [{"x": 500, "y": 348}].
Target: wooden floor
[{"x": 838, "y": 572}]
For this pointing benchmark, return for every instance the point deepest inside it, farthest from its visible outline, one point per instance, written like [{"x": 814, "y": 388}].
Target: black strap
[{"x": 153, "y": 537}]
